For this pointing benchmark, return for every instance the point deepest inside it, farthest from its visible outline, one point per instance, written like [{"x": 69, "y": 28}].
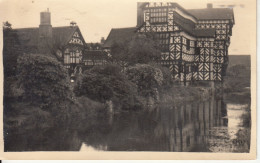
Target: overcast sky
[{"x": 96, "y": 17}]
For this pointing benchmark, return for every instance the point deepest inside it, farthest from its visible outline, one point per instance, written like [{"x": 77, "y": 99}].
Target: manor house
[{"x": 194, "y": 43}]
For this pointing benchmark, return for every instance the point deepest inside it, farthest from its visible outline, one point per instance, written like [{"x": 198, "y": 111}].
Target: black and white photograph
[{"x": 129, "y": 76}]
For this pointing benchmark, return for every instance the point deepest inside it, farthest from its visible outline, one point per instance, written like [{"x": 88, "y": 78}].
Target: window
[
  {"x": 187, "y": 69},
  {"x": 163, "y": 40},
  {"x": 75, "y": 56},
  {"x": 194, "y": 68},
  {"x": 188, "y": 44},
  {"x": 158, "y": 15},
  {"x": 197, "y": 51}
]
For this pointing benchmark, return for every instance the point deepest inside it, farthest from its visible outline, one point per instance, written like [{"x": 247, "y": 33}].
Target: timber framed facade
[{"x": 194, "y": 43}]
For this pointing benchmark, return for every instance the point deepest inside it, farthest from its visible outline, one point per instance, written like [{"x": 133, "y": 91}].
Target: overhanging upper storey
[
  {"x": 213, "y": 14},
  {"x": 158, "y": 12}
]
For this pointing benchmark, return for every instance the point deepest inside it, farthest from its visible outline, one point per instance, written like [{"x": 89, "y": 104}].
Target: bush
[
  {"x": 45, "y": 84},
  {"x": 140, "y": 49},
  {"x": 237, "y": 78},
  {"x": 107, "y": 83},
  {"x": 168, "y": 80},
  {"x": 148, "y": 80}
]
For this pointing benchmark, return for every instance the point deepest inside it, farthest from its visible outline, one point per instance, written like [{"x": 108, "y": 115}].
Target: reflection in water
[
  {"x": 86, "y": 148},
  {"x": 209, "y": 126},
  {"x": 234, "y": 112}
]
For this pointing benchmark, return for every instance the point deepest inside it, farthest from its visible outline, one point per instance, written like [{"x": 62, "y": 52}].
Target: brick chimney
[
  {"x": 209, "y": 5},
  {"x": 140, "y": 13},
  {"x": 45, "y": 32}
]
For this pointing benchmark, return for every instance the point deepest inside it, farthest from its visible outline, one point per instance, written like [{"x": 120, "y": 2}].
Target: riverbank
[{"x": 183, "y": 94}]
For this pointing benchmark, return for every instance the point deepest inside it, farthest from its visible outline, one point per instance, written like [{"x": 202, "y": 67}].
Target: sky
[{"x": 96, "y": 18}]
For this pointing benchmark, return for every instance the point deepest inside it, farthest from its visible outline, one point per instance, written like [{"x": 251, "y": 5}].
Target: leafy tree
[
  {"x": 45, "y": 82},
  {"x": 147, "y": 78},
  {"x": 141, "y": 49},
  {"x": 10, "y": 53},
  {"x": 107, "y": 83},
  {"x": 7, "y": 25}
]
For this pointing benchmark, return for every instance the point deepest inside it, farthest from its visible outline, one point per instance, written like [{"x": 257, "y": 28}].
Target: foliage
[
  {"x": 237, "y": 78},
  {"x": 143, "y": 49},
  {"x": 119, "y": 51},
  {"x": 10, "y": 53},
  {"x": 140, "y": 49},
  {"x": 7, "y": 25},
  {"x": 168, "y": 81},
  {"x": 147, "y": 78},
  {"x": 105, "y": 83},
  {"x": 45, "y": 82}
]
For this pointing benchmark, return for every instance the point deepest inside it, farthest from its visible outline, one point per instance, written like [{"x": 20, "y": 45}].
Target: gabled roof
[
  {"x": 30, "y": 36},
  {"x": 119, "y": 35},
  {"x": 27, "y": 36},
  {"x": 62, "y": 35},
  {"x": 213, "y": 13}
]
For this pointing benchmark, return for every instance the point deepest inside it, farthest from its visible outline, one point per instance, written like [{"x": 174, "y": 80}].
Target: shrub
[
  {"x": 107, "y": 83},
  {"x": 148, "y": 80},
  {"x": 142, "y": 49},
  {"x": 237, "y": 78},
  {"x": 45, "y": 83}
]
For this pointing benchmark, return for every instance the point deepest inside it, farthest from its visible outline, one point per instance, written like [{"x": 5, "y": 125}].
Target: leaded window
[{"x": 158, "y": 15}]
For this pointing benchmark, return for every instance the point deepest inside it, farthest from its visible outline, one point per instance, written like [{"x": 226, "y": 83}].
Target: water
[{"x": 209, "y": 126}]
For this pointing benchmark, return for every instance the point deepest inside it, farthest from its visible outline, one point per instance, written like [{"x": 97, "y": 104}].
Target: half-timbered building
[
  {"x": 194, "y": 43},
  {"x": 67, "y": 42}
]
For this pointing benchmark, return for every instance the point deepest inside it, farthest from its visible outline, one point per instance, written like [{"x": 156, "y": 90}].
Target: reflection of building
[
  {"x": 189, "y": 126},
  {"x": 194, "y": 43}
]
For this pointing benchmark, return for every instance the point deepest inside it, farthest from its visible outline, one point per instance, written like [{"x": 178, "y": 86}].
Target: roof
[
  {"x": 183, "y": 9},
  {"x": 94, "y": 55},
  {"x": 212, "y": 13},
  {"x": 29, "y": 36},
  {"x": 94, "y": 46},
  {"x": 189, "y": 28},
  {"x": 62, "y": 35},
  {"x": 119, "y": 35}
]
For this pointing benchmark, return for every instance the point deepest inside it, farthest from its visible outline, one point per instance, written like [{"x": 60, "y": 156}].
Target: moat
[{"x": 208, "y": 126}]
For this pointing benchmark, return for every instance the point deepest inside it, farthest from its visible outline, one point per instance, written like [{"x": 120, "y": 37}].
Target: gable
[
  {"x": 67, "y": 35},
  {"x": 76, "y": 38}
]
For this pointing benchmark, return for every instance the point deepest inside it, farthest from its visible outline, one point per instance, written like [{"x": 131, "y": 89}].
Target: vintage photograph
[{"x": 155, "y": 76}]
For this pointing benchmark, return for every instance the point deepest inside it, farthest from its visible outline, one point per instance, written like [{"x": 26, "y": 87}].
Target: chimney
[
  {"x": 45, "y": 32},
  {"x": 102, "y": 40},
  {"x": 209, "y": 5},
  {"x": 140, "y": 13}
]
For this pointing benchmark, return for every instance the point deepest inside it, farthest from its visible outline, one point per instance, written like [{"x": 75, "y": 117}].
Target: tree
[
  {"x": 7, "y": 25},
  {"x": 147, "y": 78},
  {"x": 141, "y": 49},
  {"x": 10, "y": 52},
  {"x": 45, "y": 82},
  {"x": 107, "y": 83}
]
